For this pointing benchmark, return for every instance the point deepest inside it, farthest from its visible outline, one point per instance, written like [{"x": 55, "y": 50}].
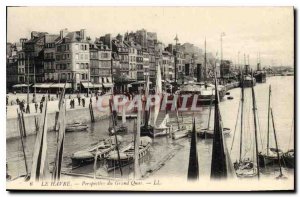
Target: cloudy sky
[{"x": 250, "y": 30}]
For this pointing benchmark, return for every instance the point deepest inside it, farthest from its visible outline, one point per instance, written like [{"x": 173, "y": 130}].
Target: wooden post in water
[
  {"x": 22, "y": 143},
  {"x": 91, "y": 112},
  {"x": 23, "y": 124}
]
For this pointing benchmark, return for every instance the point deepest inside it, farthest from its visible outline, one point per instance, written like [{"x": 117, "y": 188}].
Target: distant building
[
  {"x": 101, "y": 64},
  {"x": 123, "y": 54},
  {"x": 72, "y": 57},
  {"x": 50, "y": 73}
]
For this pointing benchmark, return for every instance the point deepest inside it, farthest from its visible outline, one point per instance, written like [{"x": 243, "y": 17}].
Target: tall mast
[
  {"x": 276, "y": 143},
  {"x": 268, "y": 132},
  {"x": 136, "y": 146},
  {"x": 255, "y": 129},
  {"x": 205, "y": 60},
  {"x": 242, "y": 114},
  {"x": 28, "y": 87}
]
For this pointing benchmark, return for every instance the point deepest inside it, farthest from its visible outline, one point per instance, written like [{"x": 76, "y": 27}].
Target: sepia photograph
[{"x": 150, "y": 98}]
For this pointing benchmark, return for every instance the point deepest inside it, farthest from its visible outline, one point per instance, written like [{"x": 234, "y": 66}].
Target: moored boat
[
  {"x": 289, "y": 159},
  {"x": 126, "y": 154},
  {"x": 270, "y": 157},
  {"x": 76, "y": 126},
  {"x": 245, "y": 169},
  {"x": 101, "y": 149},
  {"x": 117, "y": 129},
  {"x": 208, "y": 134}
]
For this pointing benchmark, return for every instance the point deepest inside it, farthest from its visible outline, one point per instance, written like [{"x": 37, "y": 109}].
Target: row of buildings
[{"x": 51, "y": 60}]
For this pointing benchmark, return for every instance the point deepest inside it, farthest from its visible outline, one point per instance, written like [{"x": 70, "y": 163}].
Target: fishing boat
[
  {"x": 246, "y": 167},
  {"x": 289, "y": 158},
  {"x": 269, "y": 156},
  {"x": 101, "y": 149},
  {"x": 114, "y": 128},
  {"x": 127, "y": 116},
  {"x": 147, "y": 129},
  {"x": 181, "y": 130},
  {"x": 126, "y": 154},
  {"x": 163, "y": 129},
  {"x": 76, "y": 126}
]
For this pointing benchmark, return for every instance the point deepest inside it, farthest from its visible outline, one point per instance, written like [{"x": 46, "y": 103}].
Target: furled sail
[
  {"x": 39, "y": 168},
  {"x": 193, "y": 170},
  {"x": 158, "y": 91},
  {"x": 60, "y": 139},
  {"x": 221, "y": 166}
]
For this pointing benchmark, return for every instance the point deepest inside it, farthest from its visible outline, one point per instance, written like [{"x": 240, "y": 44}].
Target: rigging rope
[{"x": 237, "y": 118}]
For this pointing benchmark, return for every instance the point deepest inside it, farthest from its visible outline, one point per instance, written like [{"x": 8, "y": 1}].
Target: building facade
[{"x": 73, "y": 58}]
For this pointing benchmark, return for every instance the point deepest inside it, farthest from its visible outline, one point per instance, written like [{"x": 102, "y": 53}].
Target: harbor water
[{"x": 175, "y": 153}]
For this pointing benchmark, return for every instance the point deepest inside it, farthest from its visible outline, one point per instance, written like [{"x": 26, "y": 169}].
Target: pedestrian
[
  {"x": 21, "y": 106},
  {"x": 56, "y": 94},
  {"x": 41, "y": 106},
  {"x": 18, "y": 101},
  {"x": 79, "y": 100},
  {"x": 97, "y": 97},
  {"x": 48, "y": 97},
  {"x": 43, "y": 98},
  {"x": 6, "y": 100},
  {"x": 83, "y": 102},
  {"x": 36, "y": 105},
  {"x": 71, "y": 104}
]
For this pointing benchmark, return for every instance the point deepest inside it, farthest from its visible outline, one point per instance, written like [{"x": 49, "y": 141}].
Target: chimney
[
  {"x": 82, "y": 34},
  {"x": 22, "y": 41},
  {"x": 63, "y": 33}
]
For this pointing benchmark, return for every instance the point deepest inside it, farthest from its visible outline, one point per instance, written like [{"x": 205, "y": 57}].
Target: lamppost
[
  {"x": 221, "y": 67},
  {"x": 176, "y": 40}
]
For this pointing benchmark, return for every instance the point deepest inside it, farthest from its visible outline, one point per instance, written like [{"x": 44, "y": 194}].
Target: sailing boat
[
  {"x": 193, "y": 170},
  {"x": 181, "y": 130},
  {"x": 246, "y": 167},
  {"x": 162, "y": 129},
  {"x": 270, "y": 155},
  {"x": 114, "y": 128},
  {"x": 208, "y": 133},
  {"x": 130, "y": 153},
  {"x": 147, "y": 129},
  {"x": 288, "y": 157},
  {"x": 221, "y": 166}
]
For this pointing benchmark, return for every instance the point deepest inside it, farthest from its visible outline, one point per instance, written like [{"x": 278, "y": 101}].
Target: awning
[
  {"x": 61, "y": 85},
  {"x": 42, "y": 85},
  {"x": 91, "y": 85},
  {"x": 108, "y": 85},
  {"x": 20, "y": 85}
]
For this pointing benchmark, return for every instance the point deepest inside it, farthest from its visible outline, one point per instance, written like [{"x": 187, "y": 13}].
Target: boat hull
[{"x": 112, "y": 164}]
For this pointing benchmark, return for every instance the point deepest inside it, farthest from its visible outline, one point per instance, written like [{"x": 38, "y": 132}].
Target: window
[
  {"x": 81, "y": 66},
  {"x": 81, "y": 56},
  {"x": 76, "y": 56},
  {"x": 86, "y": 56},
  {"x": 67, "y": 47},
  {"x": 76, "y": 47},
  {"x": 77, "y": 66}
]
